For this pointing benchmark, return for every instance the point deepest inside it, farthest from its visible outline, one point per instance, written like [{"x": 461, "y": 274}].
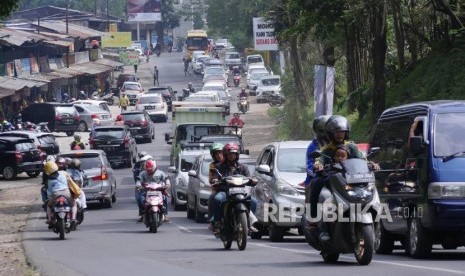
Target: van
[
  {"x": 255, "y": 60},
  {"x": 421, "y": 152}
]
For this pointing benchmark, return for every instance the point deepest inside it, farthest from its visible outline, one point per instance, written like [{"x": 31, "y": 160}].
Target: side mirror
[
  {"x": 192, "y": 173},
  {"x": 416, "y": 144},
  {"x": 373, "y": 151},
  {"x": 264, "y": 169},
  {"x": 172, "y": 169}
]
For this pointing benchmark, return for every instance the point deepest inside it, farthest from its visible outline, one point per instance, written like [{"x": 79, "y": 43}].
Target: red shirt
[{"x": 236, "y": 121}]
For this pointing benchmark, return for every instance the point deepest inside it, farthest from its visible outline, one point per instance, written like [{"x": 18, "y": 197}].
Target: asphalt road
[{"x": 110, "y": 242}]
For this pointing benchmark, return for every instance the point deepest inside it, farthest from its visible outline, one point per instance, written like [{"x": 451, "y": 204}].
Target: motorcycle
[
  {"x": 153, "y": 207},
  {"x": 243, "y": 105},
  {"x": 351, "y": 183},
  {"x": 108, "y": 97},
  {"x": 236, "y": 212},
  {"x": 275, "y": 99},
  {"x": 158, "y": 52},
  {"x": 61, "y": 217}
]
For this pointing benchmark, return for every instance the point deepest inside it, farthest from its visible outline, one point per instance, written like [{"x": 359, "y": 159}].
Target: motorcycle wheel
[
  {"x": 61, "y": 228},
  {"x": 110, "y": 101},
  {"x": 80, "y": 216},
  {"x": 153, "y": 223},
  {"x": 242, "y": 230},
  {"x": 271, "y": 102},
  {"x": 365, "y": 244},
  {"x": 227, "y": 244}
]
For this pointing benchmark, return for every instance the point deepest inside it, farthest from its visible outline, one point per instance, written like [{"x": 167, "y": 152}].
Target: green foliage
[
  {"x": 170, "y": 16},
  {"x": 7, "y": 7}
]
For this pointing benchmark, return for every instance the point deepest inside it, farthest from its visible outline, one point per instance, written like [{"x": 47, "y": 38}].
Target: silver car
[
  {"x": 199, "y": 188},
  {"x": 281, "y": 166},
  {"x": 179, "y": 175},
  {"x": 155, "y": 105},
  {"x": 99, "y": 178},
  {"x": 132, "y": 90},
  {"x": 90, "y": 114}
]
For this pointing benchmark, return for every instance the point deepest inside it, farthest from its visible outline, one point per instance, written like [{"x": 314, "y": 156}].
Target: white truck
[{"x": 192, "y": 121}]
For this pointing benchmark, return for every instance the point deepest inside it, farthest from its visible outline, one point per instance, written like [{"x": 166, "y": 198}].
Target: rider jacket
[
  {"x": 224, "y": 169},
  {"x": 75, "y": 144},
  {"x": 236, "y": 122}
]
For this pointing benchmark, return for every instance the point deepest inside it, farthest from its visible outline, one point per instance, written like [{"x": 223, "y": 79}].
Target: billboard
[
  {"x": 117, "y": 40},
  {"x": 144, "y": 10},
  {"x": 263, "y": 35}
]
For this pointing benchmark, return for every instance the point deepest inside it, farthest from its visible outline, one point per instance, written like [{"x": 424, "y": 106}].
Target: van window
[
  {"x": 448, "y": 138},
  {"x": 254, "y": 59},
  {"x": 396, "y": 142}
]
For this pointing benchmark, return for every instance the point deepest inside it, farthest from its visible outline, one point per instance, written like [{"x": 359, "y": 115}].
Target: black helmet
[
  {"x": 75, "y": 164},
  {"x": 337, "y": 123},
  {"x": 319, "y": 125}
]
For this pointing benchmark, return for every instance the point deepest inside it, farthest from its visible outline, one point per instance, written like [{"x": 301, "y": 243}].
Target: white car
[
  {"x": 132, "y": 89},
  {"x": 231, "y": 59},
  {"x": 267, "y": 85},
  {"x": 221, "y": 43},
  {"x": 102, "y": 104},
  {"x": 254, "y": 78},
  {"x": 198, "y": 64},
  {"x": 215, "y": 85},
  {"x": 254, "y": 60},
  {"x": 215, "y": 71},
  {"x": 155, "y": 105}
]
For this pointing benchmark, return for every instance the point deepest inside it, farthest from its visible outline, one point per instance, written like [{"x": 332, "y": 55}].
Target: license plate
[
  {"x": 237, "y": 190},
  {"x": 62, "y": 209},
  {"x": 104, "y": 117},
  {"x": 153, "y": 193},
  {"x": 68, "y": 121},
  {"x": 150, "y": 107}
]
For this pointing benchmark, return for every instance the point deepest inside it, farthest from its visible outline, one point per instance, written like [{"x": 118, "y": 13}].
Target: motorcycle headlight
[{"x": 286, "y": 188}]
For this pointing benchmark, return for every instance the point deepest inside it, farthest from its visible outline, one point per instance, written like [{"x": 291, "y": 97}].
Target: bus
[{"x": 197, "y": 40}]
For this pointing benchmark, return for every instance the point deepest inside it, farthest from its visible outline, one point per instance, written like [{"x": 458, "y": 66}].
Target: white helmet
[
  {"x": 146, "y": 157},
  {"x": 50, "y": 158}
]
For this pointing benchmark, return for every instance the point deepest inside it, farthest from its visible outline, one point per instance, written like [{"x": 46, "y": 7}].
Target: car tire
[
  {"x": 70, "y": 133},
  {"x": 9, "y": 173},
  {"x": 107, "y": 203},
  {"x": 384, "y": 241},
  {"x": 82, "y": 127},
  {"x": 190, "y": 213},
  {"x": 275, "y": 232},
  {"x": 199, "y": 217},
  {"x": 113, "y": 196},
  {"x": 33, "y": 174},
  {"x": 419, "y": 240}
]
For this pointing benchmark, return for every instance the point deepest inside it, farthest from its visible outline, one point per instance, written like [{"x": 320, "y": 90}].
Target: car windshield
[
  {"x": 233, "y": 56},
  {"x": 24, "y": 146},
  {"x": 222, "y": 94},
  {"x": 133, "y": 117},
  {"x": 132, "y": 86},
  {"x": 448, "y": 138},
  {"x": 291, "y": 160},
  {"x": 256, "y": 76},
  {"x": 187, "y": 162},
  {"x": 89, "y": 162},
  {"x": 66, "y": 109},
  {"x": 269, "y": 82},
  {"x": 254, "y": 59},
  {"x": 214, "y": 71},
  {"x": 150, "y": 100},
  {"x": 108, "y": 133}
]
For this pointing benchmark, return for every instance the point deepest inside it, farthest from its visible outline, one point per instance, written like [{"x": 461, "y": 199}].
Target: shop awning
[
  {"x": 9, "y": 85},
  {"x": 69, "y": 71},
  {"x": 91, "y": 68},
  {"x": 109, "y": 62}
]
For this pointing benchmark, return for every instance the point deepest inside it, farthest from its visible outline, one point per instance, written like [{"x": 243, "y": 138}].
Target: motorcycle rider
[
  {"x": 82, "y": 95},
  {"x": 119, "y": 120},
  {"x": 216, "y": 152},
  {"x": 43, "y": 190},
  {"x": 58, "y": 185},
  {"x": 243, "y": 94},
  {"x": 236, "y": 71},
  {"x": 137, "y": 166},
  {"x": 230, "y": 166},
  {"x": 65, "y": 98},
  {"x": 151, "y": 174},
  {"x": 77, "y": 144},
  {"x": 74, "y": 170},
  {"x": 236, "y": 120}
]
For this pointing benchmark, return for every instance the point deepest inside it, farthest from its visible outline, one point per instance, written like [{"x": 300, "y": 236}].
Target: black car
[
  {"x": 19, "y": 155},
  {"x": 117, "y": 142},
  {"x": 44, "y": 141},
  {"x": 61, "y": 117},
  {"x": 140, "y": 124},
  {"x": 168, "y": 94}
]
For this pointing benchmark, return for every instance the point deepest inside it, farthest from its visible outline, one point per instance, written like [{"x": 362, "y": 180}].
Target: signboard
[
  {"x": 22, "y": 67},
  {"x": 263, "y": 35},
  {"x": 116, "y": 40},
  {"x": 44, "y": 65},
  {"x": 34, "y": 65},
  {"x": 129, "y": 57},
  {"x": 144, "y": 10}
]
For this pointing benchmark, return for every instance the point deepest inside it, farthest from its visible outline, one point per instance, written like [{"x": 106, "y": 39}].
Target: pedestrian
[
  {"x": 135, "y": 68},
  {"x": 155, "y": 76},
  {"x": 123, "y": 102}
]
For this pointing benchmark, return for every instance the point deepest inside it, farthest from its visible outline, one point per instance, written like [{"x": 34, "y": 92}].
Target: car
[
  {"x": 102, "y": 104},
  {"x": 198, "y": 63},
  {"x": 215, "y": 85},
  {"x": 266, "y": 86},
  {"x": 132, "y": 90},
  {"x": 224, "y": 96},
  {"x": 225, "y": 139},
  {"x": 168, "y": 94},
  {"x": 208, "y": 96},
  {"x": 221, "y": 43},
  {"x": 254, "y": 78},
  {"x": 90, "y": 115},
  {"x": 155, "y": 105},
  {"x": 60, "y": 117},
  {"x": 215, "y": 71},
  {"x": 254, "y": 60},
  {"x": 231, "y": 59},
  {"x": 199, "y": 188},
  {"x": 17, "y": 155},
  {"x": 280, "y": 167},
  {"x": 179, "y": 177},
  {"x": 99, "y": 177},
  {"x": 43, "y": 141},
  {"x": 123, "y": 78},
  {"x": 209, "y": 78},
  {"x": 140, "y": 125},
  {"x": 117, "y": 142}
]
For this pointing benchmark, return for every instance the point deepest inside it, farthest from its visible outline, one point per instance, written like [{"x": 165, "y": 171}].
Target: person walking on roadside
[
  {"x": 155, "y": 76},
  {"x": 123, "y": 102}
]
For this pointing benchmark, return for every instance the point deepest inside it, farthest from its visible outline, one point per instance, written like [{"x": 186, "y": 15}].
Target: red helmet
[
  {"x": 150, "y": 166},
  {"x": 119, "y": 117},
  {"x": 231, "y": 148}
]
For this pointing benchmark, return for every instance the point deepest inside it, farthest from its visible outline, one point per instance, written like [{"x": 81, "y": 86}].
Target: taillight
[
  {"x": 94, "y": 116},
  {"x": 91, "y": 143},
  {"x": 145, "y": 123},
  {"x": 57, "y": 117},
  {"x": 18, "y": 156},
  {"x": 76, "y": 117},
  {"x": 126, "y": 142},
  {"x": 103, "y": 174}
]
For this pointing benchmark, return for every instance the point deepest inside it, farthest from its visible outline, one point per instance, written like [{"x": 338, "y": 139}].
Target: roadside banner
[
  {"x": 323, "y": 90},
  {"x": 144, "y": 10},
  {"x": 129, "y": 57},
  {"x": 116, "y": 40},
  {"x": 263, "y": 35}
]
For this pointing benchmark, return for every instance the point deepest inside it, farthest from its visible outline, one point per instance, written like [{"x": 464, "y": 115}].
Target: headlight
[
  {"x": 204, "y": 186},
  {"x": 439, "y": 190},
  {"x": 286, "y": 188}
]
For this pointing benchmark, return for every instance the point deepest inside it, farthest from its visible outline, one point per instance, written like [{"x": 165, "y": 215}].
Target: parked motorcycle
[
  {"x": 61, "y": 217},
  {"x": 106, "y": 97},
  {"x": 351, "y": 184},
  {"x": 236, "y": 212},
  {"x": 243, "y": 105},
  {"x": 275, "y": 99},
  {"x": 237, "y": 79},
  {"x": 153, "y": 207}
]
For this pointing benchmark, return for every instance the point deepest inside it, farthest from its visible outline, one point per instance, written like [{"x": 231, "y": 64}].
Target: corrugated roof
[
  {"x": 19, "y": 37},
  {"x": 91, "y": 68},
  {"x": 109, "y": 62},
  {"x": 9, "y": 84},
  {"x": 73, "y": 30}
]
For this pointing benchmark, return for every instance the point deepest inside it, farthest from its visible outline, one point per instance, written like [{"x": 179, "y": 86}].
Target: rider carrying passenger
[
  {"x": 151, "y": 174},
  {"x": 77, "y": 144},
  {"x": 74, "y": 170},
  {"x": 216, "y": 152}
]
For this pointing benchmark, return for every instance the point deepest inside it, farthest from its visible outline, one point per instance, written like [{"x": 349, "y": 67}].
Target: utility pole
[
  {"x": 108, "y": 17},
  {"x": 67, "y": 7}
]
